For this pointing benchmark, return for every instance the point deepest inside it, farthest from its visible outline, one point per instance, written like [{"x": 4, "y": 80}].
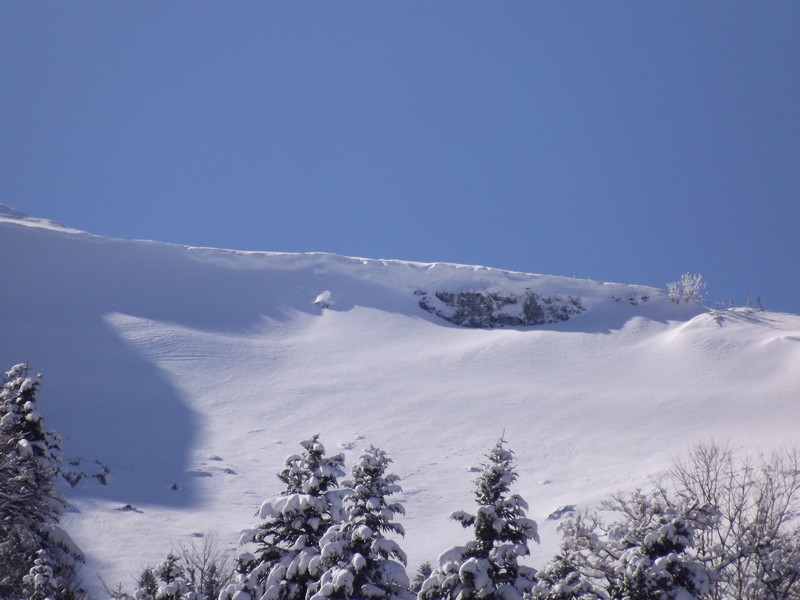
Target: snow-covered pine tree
[
  {"x": 561, "y": 579},
  {"x": 361, "y": 562},
  {"x": 30, "y": 504},
  {"x": 146, "y": 585},
  {"x": 40, "y": 583},
  {"x": 487, "y": 567},
  {"x": 287, "y": 559},
  {"x": 167, "y": 581},
  {"x": 172, "y": 579},
  {"x": 423, "y": 572}
]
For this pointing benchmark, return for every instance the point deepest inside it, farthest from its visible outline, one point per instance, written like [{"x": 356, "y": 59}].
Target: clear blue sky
[{"x": 622, "y": 141}]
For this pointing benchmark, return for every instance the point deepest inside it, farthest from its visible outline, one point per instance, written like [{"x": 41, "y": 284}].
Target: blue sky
[{"x": 621, "y": 141}]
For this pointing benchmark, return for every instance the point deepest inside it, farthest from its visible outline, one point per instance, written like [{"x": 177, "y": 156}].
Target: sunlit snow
[{"x": 187, "y": 375}]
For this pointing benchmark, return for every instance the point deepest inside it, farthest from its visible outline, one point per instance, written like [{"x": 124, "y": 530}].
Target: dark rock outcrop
[{"x": 488, "y": 310}]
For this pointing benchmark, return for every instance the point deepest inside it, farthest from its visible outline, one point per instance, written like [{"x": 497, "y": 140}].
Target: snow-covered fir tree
[
  {"x": 30, "y": 504},
  {"x": 146, "y": 585},
  {"x": 40, "y": 583},
  {"x": 167, "y": 581},
  {"x": 423, "y": 572},
  {"x": 561, "y": 579},
  {"x": 488, "y": 567},
  {"x": 644, "y": 554},
  {"x": 287, "y": 559},
  {"x": 172, "y": 580},
  {"x": 360, "y": 561}
]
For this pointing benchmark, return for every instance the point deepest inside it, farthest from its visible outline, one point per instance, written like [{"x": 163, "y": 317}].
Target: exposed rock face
[
  {"x": 631, "y": 299},
  {"x": 493, "y": 309}
]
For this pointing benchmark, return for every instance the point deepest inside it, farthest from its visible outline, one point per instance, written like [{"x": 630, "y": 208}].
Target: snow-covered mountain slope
[{"x": 182, "y": 377}]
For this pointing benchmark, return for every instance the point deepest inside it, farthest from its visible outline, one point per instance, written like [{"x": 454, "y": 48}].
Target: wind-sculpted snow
[{"x": 190, "y": 374}]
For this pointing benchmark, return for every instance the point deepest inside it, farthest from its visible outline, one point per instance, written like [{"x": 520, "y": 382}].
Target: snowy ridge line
[
  {"x": 10, "y": 212},
  {"x": 428, "y": 271},
  {"x": 445, "y": 276},
  {"x": 13, "y": 216},
  {"x": 413, "y": 277}
]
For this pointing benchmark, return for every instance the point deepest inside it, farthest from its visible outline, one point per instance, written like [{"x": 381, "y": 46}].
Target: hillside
[{"x": 180, "y": 378}]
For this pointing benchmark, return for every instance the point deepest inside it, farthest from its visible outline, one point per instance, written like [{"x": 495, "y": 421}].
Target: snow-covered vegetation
[
  {"x": 38, "y": 559},
  {"x": 488, "y": 565},
  {"x": 689, "y": 288},
  {"x": 181, "y": 378}
]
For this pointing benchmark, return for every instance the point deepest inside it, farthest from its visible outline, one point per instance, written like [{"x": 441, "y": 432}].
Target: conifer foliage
[
  {"x": 361, "y": 562},
  {"x": 423, "y": 572},
  {"x": 40, "y": 583},
  {"x": 288, "y": 559},
  {"x": 38, "y": 558},
  {"x": 166, "y": 582},
  {"x": 561, "y": 579},
  {"x": 487, "y": 567}
]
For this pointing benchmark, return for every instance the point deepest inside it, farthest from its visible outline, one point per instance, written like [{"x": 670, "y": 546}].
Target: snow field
[{"x": 193, "y": 373}]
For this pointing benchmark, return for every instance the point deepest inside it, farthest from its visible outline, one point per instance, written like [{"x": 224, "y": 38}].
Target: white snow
[{"x": 191, "y": 373}]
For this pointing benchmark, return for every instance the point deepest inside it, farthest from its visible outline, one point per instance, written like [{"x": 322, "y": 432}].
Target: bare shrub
[
  {"x": 689, "y": 288},
  {"x": 752, "y": 549},
  {"x": 206, "y": 564},
  {"x": 718, "y": 526},
  {"x": 197, "y": 569}
]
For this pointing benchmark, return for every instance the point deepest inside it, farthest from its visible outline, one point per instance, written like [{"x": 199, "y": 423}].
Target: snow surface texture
[{"x": 185, "y": 376}]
